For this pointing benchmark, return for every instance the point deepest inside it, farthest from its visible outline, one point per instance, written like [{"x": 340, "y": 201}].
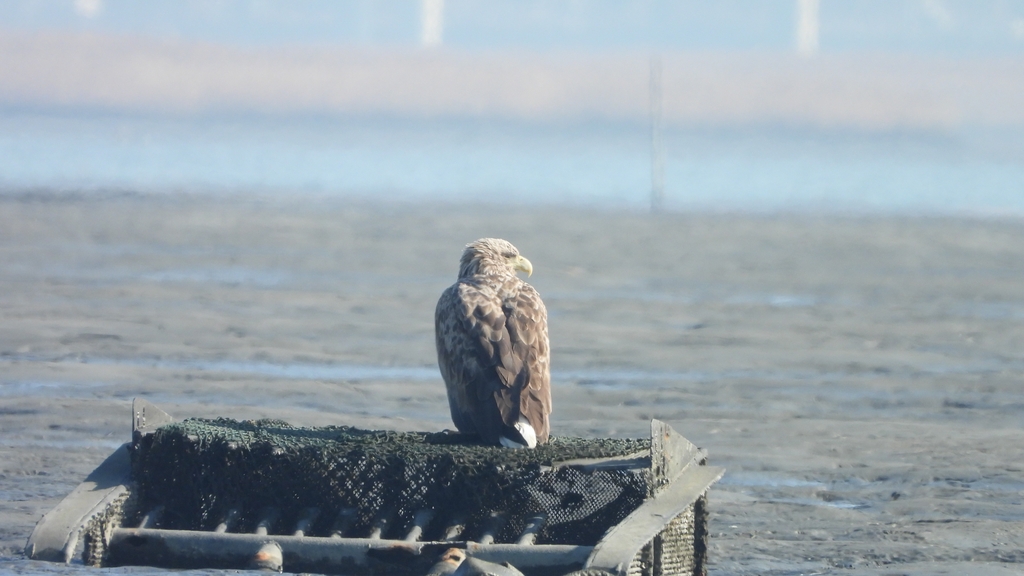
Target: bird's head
[{"x": 492, "y": 256}]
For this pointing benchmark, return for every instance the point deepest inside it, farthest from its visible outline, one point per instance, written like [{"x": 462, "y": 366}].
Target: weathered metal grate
[{"x": 226, "y": 494}]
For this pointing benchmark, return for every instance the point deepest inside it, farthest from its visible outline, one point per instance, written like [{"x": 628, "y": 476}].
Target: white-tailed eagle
[{"x": 492, "y": 348}]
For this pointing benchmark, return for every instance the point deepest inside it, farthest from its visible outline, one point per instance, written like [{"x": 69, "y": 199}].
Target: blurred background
[{"x": 876, "y": 106}]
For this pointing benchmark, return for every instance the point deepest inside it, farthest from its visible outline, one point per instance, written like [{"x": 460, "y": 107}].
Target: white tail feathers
[{"x": 525, "y": 430}]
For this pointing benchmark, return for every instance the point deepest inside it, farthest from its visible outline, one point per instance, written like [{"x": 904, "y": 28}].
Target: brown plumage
[{"x": 492, "y": 348}]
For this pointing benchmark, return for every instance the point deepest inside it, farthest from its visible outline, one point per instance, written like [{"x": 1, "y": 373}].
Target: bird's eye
[{"x": 509, "y": 255}]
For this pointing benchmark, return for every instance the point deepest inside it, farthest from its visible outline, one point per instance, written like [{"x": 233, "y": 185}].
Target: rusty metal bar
[
  {"x": 525, "y": 557},
  {"x": 152, "y": 517},
  {"x": 267, "y": 519},
  {"x": 533, "y": 526},
  {"x": 305, "y": 520},
  {"x": 188, "y": 549},
  {"x": 419, "y": 523},
  {"x": 346, "y": 516},
  {"x": 229, "y": 521},
  {"x": 497, "y": 520},
  {"x": 450, "y": 561}
]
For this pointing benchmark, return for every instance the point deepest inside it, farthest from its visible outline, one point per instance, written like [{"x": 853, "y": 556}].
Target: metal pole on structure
[{"x": 657, "y": 147}]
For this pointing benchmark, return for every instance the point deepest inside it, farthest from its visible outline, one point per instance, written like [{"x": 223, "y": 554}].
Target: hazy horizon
[
  {"x": 790, "y": 105},
  {"x": 950, "y": 27}
]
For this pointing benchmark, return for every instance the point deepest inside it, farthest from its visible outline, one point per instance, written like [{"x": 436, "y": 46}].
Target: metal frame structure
[{"x": 664, "y": 535}]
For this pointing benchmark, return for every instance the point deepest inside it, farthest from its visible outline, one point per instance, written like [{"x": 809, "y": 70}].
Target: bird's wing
[
  {"x": 494, "y": 357},
  {"x": 527, "y": 326}
]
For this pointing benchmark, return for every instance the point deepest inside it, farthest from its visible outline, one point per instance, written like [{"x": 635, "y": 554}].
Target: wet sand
[{"x": 860, "y": 378}]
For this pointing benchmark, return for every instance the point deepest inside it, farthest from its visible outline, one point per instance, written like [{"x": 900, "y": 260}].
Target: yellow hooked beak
[{"x": 523, "y": 265}]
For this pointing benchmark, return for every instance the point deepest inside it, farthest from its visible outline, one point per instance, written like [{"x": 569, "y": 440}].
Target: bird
[{"x": 491, "y": 331}]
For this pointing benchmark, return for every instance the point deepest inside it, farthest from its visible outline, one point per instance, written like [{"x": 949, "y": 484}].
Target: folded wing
[{"x": 494, "y": 356}]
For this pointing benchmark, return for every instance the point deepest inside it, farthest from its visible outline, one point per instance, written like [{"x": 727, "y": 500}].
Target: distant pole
[
  {"x": 657, "y": 147},
  {"x": 807, "y": 27},
  {"x": 432, "y": 23}
]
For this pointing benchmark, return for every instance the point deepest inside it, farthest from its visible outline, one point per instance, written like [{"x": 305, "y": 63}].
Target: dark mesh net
[{"x": 200, "y": 469}]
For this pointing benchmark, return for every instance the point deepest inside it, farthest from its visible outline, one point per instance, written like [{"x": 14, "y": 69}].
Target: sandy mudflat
[{"x": 860, "y": 378}]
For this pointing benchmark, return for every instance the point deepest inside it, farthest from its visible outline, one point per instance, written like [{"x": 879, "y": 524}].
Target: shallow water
[{"x": 590, "y": 165}]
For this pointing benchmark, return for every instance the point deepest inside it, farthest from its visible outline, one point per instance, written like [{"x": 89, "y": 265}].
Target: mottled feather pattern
[{"x": 492, "y": 346}]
